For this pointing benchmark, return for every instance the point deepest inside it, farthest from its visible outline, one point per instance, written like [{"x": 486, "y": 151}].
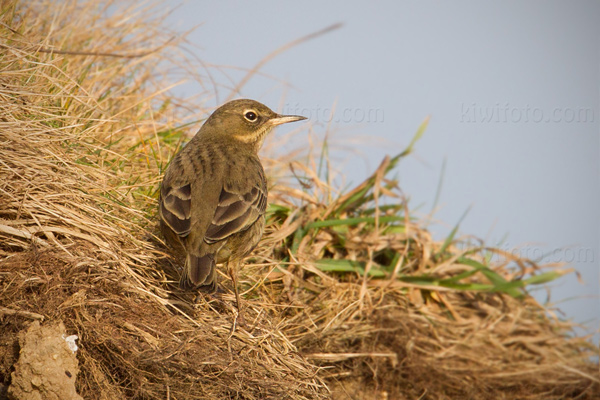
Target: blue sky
[{"x": 512, "y": 88}]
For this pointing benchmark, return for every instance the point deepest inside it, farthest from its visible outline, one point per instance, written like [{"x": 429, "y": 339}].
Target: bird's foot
[{"x": 240, "y": 320}]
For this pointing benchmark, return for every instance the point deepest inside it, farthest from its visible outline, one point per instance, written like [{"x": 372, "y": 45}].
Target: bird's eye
[{"x": 250, "y": 116}]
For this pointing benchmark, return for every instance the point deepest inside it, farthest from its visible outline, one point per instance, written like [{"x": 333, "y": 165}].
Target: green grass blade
[
  {"x": 352, "y": 221},
  {"x": 452, "y": 234},
  {"x": 346, "y": 266}
]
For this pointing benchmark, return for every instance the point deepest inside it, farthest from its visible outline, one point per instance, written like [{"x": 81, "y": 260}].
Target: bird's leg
[{"x": 232, "y": 270}]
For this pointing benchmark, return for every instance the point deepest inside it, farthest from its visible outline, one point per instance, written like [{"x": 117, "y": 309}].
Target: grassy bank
[{"x": 348, "y": 296}]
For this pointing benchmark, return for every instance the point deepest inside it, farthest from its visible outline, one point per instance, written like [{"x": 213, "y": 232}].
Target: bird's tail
[{"x": 199, "y": 273}]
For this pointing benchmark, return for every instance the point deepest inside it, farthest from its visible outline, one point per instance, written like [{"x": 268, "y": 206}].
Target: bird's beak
[{"x": 284, "y": 119}]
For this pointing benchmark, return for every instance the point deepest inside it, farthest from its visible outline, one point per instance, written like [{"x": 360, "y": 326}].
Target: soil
[{"x": 47, "y": 367}]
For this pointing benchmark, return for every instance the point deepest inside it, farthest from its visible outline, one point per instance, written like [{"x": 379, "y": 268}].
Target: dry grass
[{"x": 347, "y": 296}]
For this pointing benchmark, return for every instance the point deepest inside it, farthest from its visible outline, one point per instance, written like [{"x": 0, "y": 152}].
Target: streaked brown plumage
[{"x": 214, "y": 193}]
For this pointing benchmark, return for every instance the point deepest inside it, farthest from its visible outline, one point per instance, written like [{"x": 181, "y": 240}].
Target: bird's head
[{"x": 246, "y": 121}]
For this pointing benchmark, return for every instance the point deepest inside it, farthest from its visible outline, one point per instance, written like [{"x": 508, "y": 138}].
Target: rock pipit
[{"x": 214, "y": 193}]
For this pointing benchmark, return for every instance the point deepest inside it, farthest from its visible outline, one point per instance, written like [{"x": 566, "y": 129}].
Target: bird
[{"x": 213, "y": 195}]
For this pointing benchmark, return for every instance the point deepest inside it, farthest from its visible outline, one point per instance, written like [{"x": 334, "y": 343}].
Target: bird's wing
[
  {"x": 237, "y": 210},
  {"x": 175, "y": 208}
]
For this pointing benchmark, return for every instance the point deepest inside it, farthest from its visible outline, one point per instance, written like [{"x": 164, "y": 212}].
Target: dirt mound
[{"x": 47, "y": 366}]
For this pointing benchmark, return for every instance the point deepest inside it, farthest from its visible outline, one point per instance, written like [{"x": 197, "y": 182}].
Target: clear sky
[{"x": 512, "y": 88}]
